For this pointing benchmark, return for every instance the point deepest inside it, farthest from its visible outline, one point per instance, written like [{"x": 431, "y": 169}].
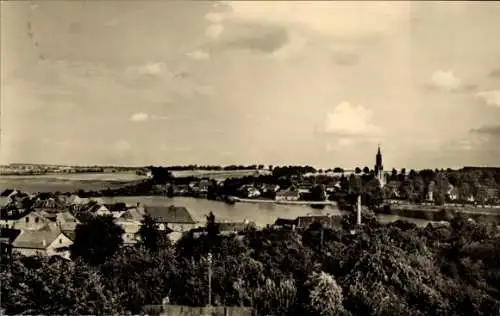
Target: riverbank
[
  {"x": 441, "y": 214},
  {"x": 325, "y": 203}
]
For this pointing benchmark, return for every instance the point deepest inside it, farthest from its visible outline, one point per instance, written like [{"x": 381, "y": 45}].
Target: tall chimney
[{"x": 358, "y": 210}]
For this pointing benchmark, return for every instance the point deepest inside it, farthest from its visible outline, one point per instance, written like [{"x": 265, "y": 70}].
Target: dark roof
[
  {"x": 285, "y": 221},
  {"x": 9, "y": 234},
  {"x": 170, "y": 214},
  {"x": 305, "y": 221},
  {"x": 7, "y": 192}
]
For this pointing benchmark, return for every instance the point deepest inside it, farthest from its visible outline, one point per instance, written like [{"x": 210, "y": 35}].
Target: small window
[
  {"x": 37, "y": 219},
  {"x": 27, "y": 219},
  {"x": 60, "y": 240}
]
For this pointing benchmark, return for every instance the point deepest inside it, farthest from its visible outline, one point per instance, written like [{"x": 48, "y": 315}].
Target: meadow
[{"x": 68, "y": 182}]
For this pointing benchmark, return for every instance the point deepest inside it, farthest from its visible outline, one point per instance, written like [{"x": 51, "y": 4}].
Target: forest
[{"x": 394, "y": 269}]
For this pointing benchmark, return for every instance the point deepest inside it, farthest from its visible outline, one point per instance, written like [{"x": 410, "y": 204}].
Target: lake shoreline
[
  {"x": 269, "y": 201},
  {"x": 443, "y": 214}
]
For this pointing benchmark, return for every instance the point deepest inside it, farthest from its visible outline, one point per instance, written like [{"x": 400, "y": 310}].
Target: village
[{"x": 40, "y": 225}]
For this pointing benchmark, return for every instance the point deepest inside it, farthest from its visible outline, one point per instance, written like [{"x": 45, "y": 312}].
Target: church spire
[
  {"x": 378, "y": 160},
  {"x": 379, "y": 168}
]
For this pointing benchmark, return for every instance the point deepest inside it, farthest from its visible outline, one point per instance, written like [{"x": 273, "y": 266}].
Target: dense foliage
[
  {"x": 97, "y": 239},
  {"x": 395, "y": 269}
]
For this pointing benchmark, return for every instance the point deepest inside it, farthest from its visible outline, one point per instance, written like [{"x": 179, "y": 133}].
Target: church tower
[{"x": 379, "y": 168}]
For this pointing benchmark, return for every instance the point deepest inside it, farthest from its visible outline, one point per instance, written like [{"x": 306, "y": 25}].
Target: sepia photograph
[{"x": 249, "y": 158}]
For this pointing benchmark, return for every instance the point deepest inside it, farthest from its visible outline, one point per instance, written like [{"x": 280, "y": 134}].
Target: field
[
  {"x": 219, "y": 174},
  {"x": 68, "y": 182}
]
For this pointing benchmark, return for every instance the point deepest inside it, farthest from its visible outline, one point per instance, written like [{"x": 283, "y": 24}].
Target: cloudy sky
[{"x": 319, "y": 83}]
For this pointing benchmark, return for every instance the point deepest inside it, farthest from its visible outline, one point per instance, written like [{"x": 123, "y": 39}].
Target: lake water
[{"x": 261, "y": 214}]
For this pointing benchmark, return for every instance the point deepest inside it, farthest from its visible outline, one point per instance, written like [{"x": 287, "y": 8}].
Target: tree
[
  {"x": 97, "y": 239},
  {"x": 366, "y": 170},
  {"x": 277, "y": 298},
  {"x": 372, "y": 194},
  {"x": 318, "y": 193},
  {"x": 325, "y": 295},
  {"x": 338, "y": 170},
  {"x": 151, "y": 237},
  {"x": 212, "y": 227},
  {"x": 160, "y": 175},
  {"x": 394, "y": 174},
  {"x": 357, "y": 170}
]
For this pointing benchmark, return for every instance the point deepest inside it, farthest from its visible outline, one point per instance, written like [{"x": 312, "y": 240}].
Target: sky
[{"x": 317, "y": 83}]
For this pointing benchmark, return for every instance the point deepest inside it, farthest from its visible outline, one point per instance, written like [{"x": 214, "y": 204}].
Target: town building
[
  {"x": 131, "y": 221},
  {"x": 176, "y": 218},
  {"x": 42, "y": 242},
  {"x": 285, "y": 223},
  {"x": 303, "y": 222},
  {"x": 34, "y": 221},
  {"x": 379, "y": 169}
]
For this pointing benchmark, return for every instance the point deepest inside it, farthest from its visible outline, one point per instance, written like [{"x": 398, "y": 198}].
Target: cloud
[
  {"x": 142, "y": 117},
  {"x": 491, "y": 97},
  {"x": 139, "y": 117},
  {"x": 149, "y": 69},
  {"x": 467, "y": 143},
  {"x": 488, "y": 129},
  {"x": 199, "y": 55},
  {"x": 327, "y": 19},
  {"x": 275, "y": 25},
  {"x": 445, "y": 80},
  {"x": 262, "y": 38},
  {"x": 349, "y": 120},
  {"x": 495, "y": 74}
]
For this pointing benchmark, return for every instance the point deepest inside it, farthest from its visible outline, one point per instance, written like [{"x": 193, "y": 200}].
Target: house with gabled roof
[
  {"x": 176, "y": 218},
  {"x": 99, "y": 209},
  {"x": 131, "y": 221},
  {"x": 75, "y": 199},
  {"x": 66, "y": 221},
  {"x": 34, "y": 221},
  {"x": 42, "y": 242}
]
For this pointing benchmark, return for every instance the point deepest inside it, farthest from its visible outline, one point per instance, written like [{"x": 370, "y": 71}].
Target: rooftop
[
  {"x": 170, "y": 214},
  {"x": 35, "y": 239}
]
